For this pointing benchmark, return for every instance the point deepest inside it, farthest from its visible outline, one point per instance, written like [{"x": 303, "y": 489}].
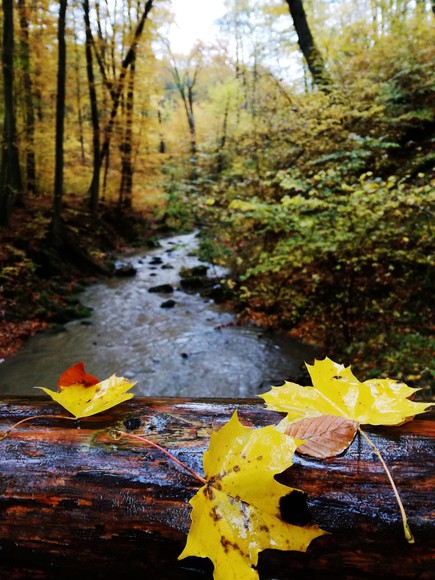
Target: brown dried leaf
[{"x": 324, "y": 436}]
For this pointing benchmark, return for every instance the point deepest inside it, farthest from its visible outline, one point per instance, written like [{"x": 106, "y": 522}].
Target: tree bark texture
[
  {"x": 95, "y": 183},
  {"x": 60, "y": 117},
  {"x": 308, "y": 46},
  {"x": 125, "y": 199},
  {"x": 28, "y": 99},
  {"x": 10, "y": 174},
  {"x": 74, "y": 502}
]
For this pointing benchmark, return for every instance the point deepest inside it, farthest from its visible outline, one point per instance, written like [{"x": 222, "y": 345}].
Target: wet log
[{"x": 76, "y": 503}]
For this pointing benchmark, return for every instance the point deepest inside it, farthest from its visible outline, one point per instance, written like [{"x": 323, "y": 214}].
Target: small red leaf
[
  {"x": 76, "y": 375},
  {"x": 324, "y": 436}
]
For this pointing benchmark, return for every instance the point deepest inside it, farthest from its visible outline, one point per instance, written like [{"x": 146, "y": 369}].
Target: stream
[{"x": 190, "y": 349}]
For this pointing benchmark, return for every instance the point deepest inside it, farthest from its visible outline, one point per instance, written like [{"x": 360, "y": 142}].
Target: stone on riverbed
[
  {"x": 162, "y": 288},
  {"x": 125, "y": 271}
]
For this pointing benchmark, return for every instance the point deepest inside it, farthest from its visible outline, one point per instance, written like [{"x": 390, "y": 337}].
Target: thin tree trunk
[
  {"x": 223, "y": 139},
  {"x": 116, "y": 95},
  {"x": 95, "y": 183},
  {"x": 127, "y": 170},
  {"x": 162, "y": 144},
  {"x": 79, "y": 100},
  {"x": 105, "y": 175},
  {"x": 185, "y": 87},
  {"x": 191, "y": 120},
  {"x": 309, "y": 49},
  {"x": 10, "y": 175},
  {"x": 28, "y": 99},
  {"x": 60, "y": 118}
]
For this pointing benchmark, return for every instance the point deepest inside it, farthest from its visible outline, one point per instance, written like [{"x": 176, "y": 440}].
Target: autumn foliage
[
  {"x": 236, "y": 513},
  {"x": 317, "y": 196}
]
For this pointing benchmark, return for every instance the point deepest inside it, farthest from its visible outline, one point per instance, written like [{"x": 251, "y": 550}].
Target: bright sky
[{"x": 194, "y": 20}]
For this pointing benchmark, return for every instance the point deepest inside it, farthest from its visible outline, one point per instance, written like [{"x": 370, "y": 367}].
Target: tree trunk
[
  {"x": 127, "y": 170},
  {"x": 95, "y": 183},
  {"x": 10, "y": 174},
  {"x": 191, "y": 119},
  {"x": 220, "y": 162},
  {"x": 116, "y": 93},
  {"x": 28, "y": 100},
  {"x": 185, "y": 88},
  {"x": 60, "y": 118},
  {"x": 308, "y": 46},
  {"x": 162, "y": 144},
  {"x": 79, "y": 98},
  {"x": 75, "y": 503}
]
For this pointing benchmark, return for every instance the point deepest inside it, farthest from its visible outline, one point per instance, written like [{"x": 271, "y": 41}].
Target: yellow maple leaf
[
  {"x": 83, "y": 401},
  {"x": 336, "y": 391},
  {"x": 236, "y": 514}
]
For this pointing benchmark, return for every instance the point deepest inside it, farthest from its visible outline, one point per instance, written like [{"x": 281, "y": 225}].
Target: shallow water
[{"x": 187, "y": 350}]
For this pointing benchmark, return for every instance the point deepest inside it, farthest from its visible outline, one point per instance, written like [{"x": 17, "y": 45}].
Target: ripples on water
[{"x": 185, "y": 351}]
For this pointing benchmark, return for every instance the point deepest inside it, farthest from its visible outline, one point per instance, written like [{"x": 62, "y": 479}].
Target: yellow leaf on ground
[
  {"x": 336, "y": 391},
  {"x": 237, "y": 514},
  {"x": 84, "y": 401},
  {"x": 324, "y": 436}
]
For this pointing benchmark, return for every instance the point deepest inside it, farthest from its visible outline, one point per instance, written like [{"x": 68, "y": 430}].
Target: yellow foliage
[
  {"x": 237, "y": 514},
  {"x": 83, "y": 401},
  {"x": 336, "y": 391}
]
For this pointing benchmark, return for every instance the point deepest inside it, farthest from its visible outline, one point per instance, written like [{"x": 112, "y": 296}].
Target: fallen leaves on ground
[
  {"x": 14, "y": 333},
  {"x": 237, "y": 514}
]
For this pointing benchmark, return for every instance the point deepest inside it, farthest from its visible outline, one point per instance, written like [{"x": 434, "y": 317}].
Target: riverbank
[{"x": 40, "y": 279}]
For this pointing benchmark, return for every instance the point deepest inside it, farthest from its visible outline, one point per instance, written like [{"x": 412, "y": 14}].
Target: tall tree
[
  {"x": 220, "y": 158},
  {"x": 95, "y": 183},
  {"x": 185, "y": 83},
  {"x": 311, "y": 52},
  {"x": 28, "y": 99},
  {"x": 60, "y": 117},
  {"x": 162, "y": 144},
  {"x": 185, "y": 78},
  {"x": 79, "y": 96},
  {"x": 127, "y": 169},
  {"x": 117, "y": 87},
  {"x": 10, "y": 174}
]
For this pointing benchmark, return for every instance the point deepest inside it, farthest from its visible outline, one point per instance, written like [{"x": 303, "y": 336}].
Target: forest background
[{"x": 300, "y": 143}]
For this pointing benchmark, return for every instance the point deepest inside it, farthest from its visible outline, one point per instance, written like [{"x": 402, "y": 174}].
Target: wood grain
[{"x": 76, "y": 503}]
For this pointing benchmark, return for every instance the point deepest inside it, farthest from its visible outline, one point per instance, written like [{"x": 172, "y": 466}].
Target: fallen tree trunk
[{"x": 74, "y": 502}]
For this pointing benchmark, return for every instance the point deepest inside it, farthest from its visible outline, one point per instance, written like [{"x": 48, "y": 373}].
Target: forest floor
[{"x": 41, "y": 277}]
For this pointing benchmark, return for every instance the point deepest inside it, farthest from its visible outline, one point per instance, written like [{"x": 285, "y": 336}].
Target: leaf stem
[
  {"x": 6, "y": 433},
  {"x": 157, "y": 446},
  {"x": 407, "y": 530}
]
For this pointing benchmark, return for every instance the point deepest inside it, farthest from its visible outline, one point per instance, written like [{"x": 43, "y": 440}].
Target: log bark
[{"x": 76, "y": 503}]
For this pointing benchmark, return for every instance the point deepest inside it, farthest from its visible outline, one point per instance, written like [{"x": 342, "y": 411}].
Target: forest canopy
[{"x": 300, "y": 143}]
